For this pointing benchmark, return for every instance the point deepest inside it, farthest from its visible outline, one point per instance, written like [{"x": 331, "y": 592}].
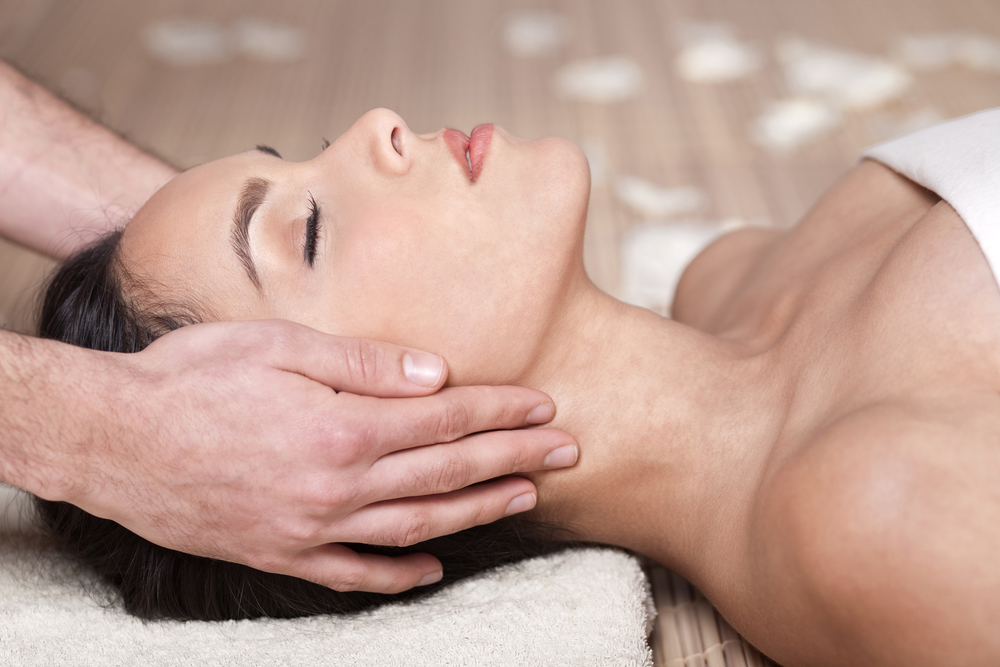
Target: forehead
[{"x": 178, "y": 243}]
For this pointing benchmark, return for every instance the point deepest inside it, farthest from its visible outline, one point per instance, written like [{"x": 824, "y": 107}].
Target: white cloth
[
  {"x": 960, "y": 161},
  {"x": 586, "y": 607}
]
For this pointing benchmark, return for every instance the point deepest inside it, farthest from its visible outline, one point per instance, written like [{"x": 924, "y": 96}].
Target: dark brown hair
[{"x": 88, "y": 302}]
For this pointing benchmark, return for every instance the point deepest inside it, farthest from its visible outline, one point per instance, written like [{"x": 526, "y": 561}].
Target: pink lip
[
  {"x": 477, "y": 147},
  {"x": 458, "y": 144}
]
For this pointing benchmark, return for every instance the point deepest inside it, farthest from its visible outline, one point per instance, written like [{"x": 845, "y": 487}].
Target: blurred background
[{"x": 697, "y": 116}]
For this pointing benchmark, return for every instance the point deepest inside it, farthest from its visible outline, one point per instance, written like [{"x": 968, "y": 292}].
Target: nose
[{"x": 389, "y": 141}]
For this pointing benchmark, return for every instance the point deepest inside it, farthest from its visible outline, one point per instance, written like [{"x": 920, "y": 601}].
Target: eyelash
[{"x": 312, "y": 231}]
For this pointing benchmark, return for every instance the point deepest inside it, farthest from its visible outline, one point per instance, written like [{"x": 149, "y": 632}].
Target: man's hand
[{"x": 229, "y": 440}]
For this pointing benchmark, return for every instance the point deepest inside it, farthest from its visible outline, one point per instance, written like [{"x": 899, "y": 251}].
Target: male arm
[
  {"x": 64, "y": 179},
  {"x": 226, "y": 440},
  {"x": 231, "y": 440}
]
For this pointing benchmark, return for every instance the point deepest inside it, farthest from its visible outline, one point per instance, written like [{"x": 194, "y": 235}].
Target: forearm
[
  {"x": 64, "y": 179},
  {"x": 46, "y": 394}
]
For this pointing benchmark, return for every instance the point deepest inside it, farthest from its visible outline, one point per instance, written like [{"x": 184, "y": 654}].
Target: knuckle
[
  {"x": 362, "y": 361},
  {"x": 521, "y": 450},
  {"x": 413, "y": 529},
  {"x": 315, "y": 501},
  {"x": 520, "y": 462},
  {"x": 339, "y": 498},
  {"x": 482, "y": 514},
  {"x": 348, "y": 441},
  {"x": 299, "y": 533},
  {"x": 270, "y": 342},
  {"x": 449, "y": 474},
  {"x": 319, "y": 499},
  {"x": 347, "y": 447},
  {"x": 452, "y": 422},
  {"x": 351, "y": 579},
  {"x": 503, "y": 410},
  {"x": 276, "y": 336},
  {"x": 266, "y": 563}
]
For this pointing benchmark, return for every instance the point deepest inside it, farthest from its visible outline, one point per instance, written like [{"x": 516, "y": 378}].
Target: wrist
[{"x": 53, "y": 417}]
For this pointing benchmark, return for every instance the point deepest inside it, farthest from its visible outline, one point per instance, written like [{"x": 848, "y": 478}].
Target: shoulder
[
  {"x": 885, "y": 518},
  {"x": 888, "y": 485},
  {"x": 890, "y": 455},
  {"x": 752, "y": 272}
]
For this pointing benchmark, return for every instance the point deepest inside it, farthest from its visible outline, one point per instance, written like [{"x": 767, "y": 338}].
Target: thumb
[{"x": 360, "y": 366}]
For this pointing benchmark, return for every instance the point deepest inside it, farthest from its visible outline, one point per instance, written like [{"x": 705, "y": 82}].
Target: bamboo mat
[
  {"x": 690, "y": 632},
  {"x": 451, "y": 63}
]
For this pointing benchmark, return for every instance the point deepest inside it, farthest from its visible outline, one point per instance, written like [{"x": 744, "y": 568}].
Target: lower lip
[{"x": 479, "y": 148}]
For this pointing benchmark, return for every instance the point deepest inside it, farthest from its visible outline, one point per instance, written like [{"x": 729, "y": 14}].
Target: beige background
[{"x": 444, "y": 63}]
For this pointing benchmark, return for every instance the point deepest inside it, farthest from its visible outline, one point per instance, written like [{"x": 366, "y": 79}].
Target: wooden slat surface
[{"x": 443, "y": 63}]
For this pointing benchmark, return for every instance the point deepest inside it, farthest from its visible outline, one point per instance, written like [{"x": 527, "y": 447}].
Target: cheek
[
  {"x": 474, "y": 279},
  {"x": 382, "y": 275},
  {"x": 410, "y": 278}
]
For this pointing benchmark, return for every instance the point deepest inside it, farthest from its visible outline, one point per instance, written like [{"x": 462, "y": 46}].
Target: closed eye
[{"x": 312, "y": 232}]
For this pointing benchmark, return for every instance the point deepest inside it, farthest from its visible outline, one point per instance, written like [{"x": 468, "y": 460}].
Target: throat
[{"x": 672, "y": 426}]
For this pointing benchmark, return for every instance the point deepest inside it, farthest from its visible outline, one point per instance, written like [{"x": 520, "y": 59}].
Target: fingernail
[
  {"x": 431, "y": 578},
  {"x": 423, "y": 368},
  {"x": 562, "y": 457},
  {"x": 522, "y": 503},
  {"x": 541, "y": 414}
]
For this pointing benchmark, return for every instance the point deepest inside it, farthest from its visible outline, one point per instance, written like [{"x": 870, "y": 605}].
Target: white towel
[
  {"x": 960, "y": 161},
  {"x": 582, "y": 607}
]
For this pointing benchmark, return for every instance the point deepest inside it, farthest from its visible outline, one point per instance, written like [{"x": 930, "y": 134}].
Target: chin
[
  {"x": 495, "y": 306},
  {"x": 564, "y": 184},
  {"x": 542, "y": 256}
]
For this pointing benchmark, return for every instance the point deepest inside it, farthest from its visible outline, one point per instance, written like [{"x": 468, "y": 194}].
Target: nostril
[{"x": 397, "y": 140}]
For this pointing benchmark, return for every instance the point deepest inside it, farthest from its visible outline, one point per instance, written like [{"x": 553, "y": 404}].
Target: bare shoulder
[
  {"x": 889, "y": 518},
  {"x": 748, "y": 272},
  {"x": 886, "y": 461}
]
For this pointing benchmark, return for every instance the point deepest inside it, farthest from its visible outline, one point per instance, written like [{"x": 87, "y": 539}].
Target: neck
[{"x": 673, "y": 425}]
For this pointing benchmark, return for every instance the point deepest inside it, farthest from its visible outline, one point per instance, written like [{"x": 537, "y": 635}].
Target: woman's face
[{"x": 386, "y": 234}]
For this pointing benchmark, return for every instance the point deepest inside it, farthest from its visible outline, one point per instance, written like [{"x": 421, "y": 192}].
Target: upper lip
[
  {"x": 470, "y": 152},
  {"x": 458, "y": 144}
]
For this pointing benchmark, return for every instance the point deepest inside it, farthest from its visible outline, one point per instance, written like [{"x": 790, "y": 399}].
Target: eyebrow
[
  {"x": 251, "y": 197},
  {"x": 267, "y": 149}
]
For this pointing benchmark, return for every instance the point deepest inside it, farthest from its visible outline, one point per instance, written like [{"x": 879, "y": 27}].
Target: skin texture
[
  {"x": 231, "y": 440},
  {"x": 398, "y": 222},
  {"x": 812, "y": 440},
  {"x": 297, "y": 495},
  {"x": 64, "y": 179}
]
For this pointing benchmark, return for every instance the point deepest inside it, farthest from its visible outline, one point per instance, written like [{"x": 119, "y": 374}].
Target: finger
[
  {"x": 412, "y": 520},
  {"x": 476, "y": 458},
  {"x": 340, "y": 568},
  {"x": 356, "y": 365},
  {"x": 448, "y": 415}
]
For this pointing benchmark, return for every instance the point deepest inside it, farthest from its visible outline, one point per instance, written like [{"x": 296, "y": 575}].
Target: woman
[{"x": 812, "y": 440}]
